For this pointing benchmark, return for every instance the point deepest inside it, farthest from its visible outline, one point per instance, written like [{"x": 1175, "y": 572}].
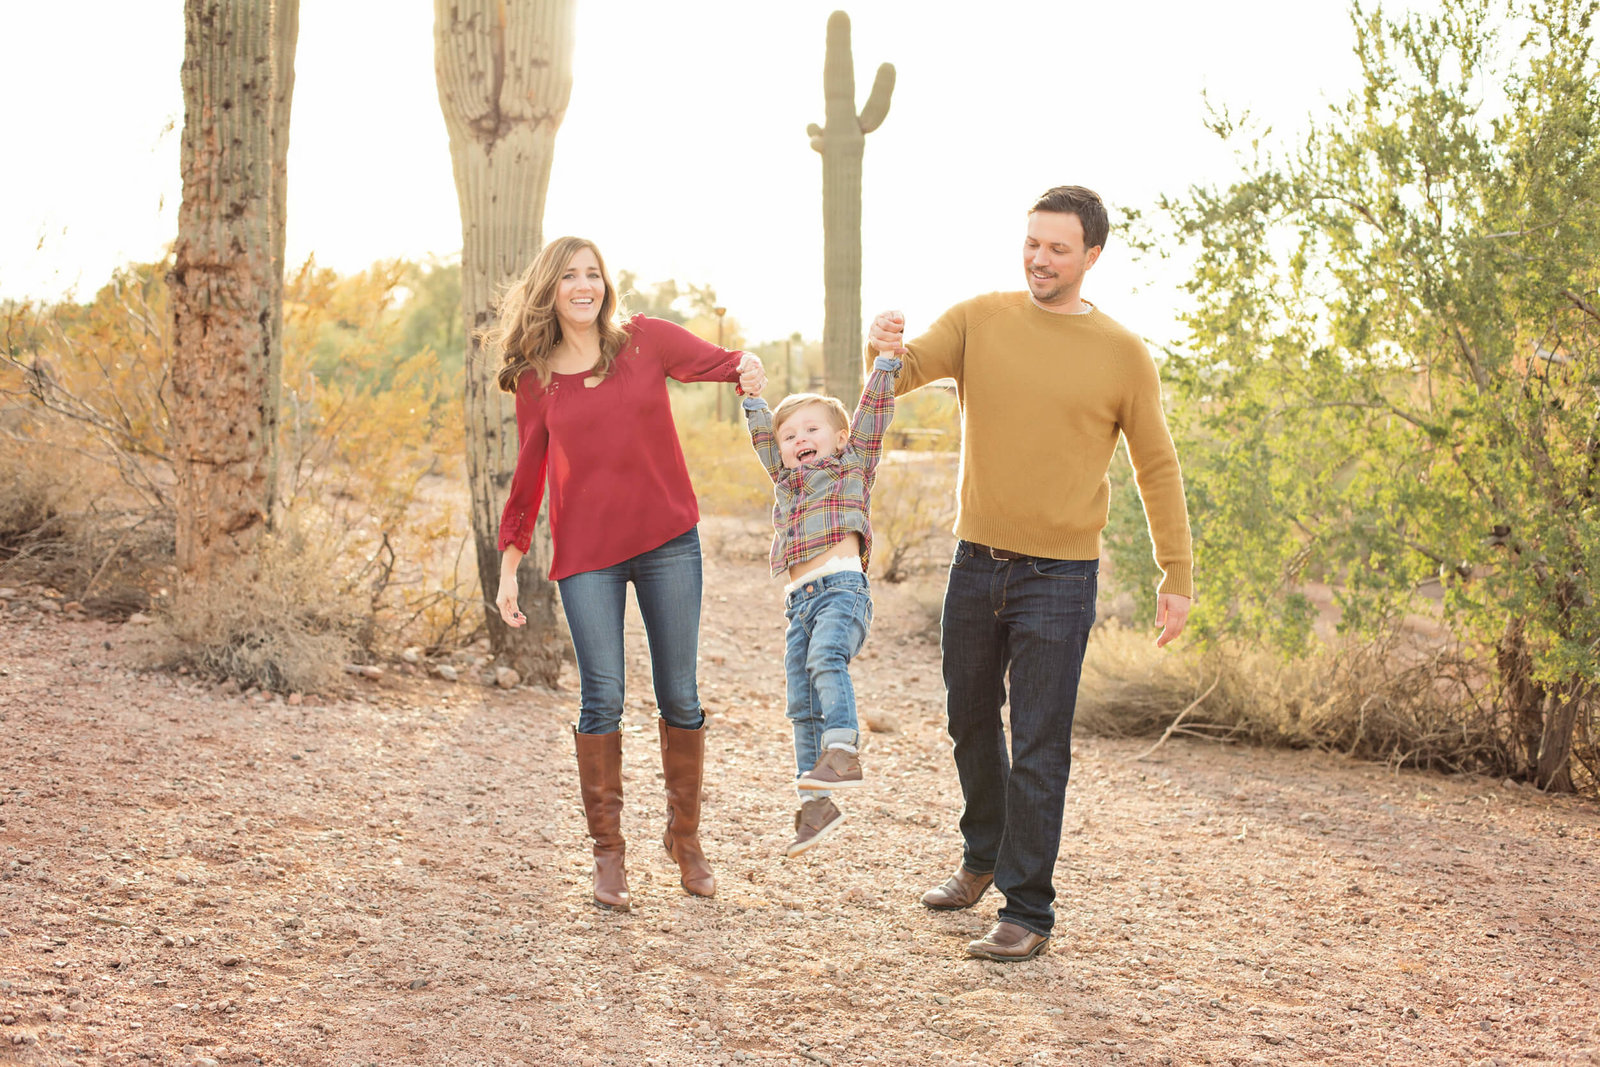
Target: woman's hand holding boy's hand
[{"x": 752, "y": 378}]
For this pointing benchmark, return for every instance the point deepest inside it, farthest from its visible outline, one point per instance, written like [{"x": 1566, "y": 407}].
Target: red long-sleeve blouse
[{"x": 609, "y": 453}]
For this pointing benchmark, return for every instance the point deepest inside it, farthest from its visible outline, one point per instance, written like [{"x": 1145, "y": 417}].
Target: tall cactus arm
[
  {"x": 814, "y": 132},
  {"x": 877, "y": 106},
  {"x": 838, "y": 65}
]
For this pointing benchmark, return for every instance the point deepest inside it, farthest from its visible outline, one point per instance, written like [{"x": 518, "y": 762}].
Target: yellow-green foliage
[
  {"x": 371, "y": 441},
  {"x": 728, "y": 477},
  {"x": 367, "y": 433},
  {"x": 927, "y": 420}
]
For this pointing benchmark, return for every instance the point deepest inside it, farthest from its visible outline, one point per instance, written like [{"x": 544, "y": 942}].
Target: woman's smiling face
[{"x": 579, "y": 292}]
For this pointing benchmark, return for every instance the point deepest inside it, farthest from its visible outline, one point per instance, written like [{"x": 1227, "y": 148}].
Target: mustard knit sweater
[{"x": 1043, "y": 399}]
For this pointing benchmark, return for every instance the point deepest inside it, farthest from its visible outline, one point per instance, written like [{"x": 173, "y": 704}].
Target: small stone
[
  {"x": 167, "y": 942},
  {"x": 49, "y": 607},
  {"x": 880, "y": 721},
  {"x": 447, "y": 672},
  {"x": 231, "y": 961},
  {"x": 296, "y": 699},
  {"x": 480, "y": 990},
  {"x": 139, "y": 618},
  {"x": 412, "y": 655},
  {"x": 418, "y": 983},
  {"x": 182, "y": 878},
  {"x": 506, "y": 678}
]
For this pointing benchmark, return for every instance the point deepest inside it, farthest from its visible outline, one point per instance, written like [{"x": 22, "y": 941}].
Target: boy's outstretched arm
[
  {"x": 759, "y": 418},
  {"x": 875, "y": 411}
]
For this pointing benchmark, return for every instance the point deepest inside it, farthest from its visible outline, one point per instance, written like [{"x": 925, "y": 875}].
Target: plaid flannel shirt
[{"x": 816, "y": 505}]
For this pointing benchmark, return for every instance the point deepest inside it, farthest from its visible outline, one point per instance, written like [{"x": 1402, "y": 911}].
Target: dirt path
[{"x": 401, "y": 877}]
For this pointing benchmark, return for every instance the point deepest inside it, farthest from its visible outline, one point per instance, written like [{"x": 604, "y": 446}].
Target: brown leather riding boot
[
  {"x": 600, "y": 776},
  {"x": 683, "y": 757}
]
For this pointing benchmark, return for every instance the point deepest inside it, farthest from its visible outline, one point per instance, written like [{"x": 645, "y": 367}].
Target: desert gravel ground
[{"x": 398, "y": 874}]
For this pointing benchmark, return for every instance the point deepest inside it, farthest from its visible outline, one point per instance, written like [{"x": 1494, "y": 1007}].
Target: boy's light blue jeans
[{"x": 828, "y": 622}]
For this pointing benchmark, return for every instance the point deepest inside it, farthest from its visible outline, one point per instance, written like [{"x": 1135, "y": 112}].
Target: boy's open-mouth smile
[{"x": 804, "y": 454}]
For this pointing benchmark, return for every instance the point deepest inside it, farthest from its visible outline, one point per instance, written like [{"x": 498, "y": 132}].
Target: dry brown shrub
[
  {"x": 284, "y": 624},
  {"x": 66, "y": 525},
  {"x": 913, "y": 506},
  {"x": 1402, "y": 705}
]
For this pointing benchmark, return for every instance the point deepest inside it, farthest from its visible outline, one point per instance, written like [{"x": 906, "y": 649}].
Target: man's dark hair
[{"x": 1084, "y": 203}]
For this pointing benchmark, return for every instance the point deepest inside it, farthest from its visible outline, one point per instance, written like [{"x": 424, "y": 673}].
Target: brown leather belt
[{"x": 998, "y": 553}]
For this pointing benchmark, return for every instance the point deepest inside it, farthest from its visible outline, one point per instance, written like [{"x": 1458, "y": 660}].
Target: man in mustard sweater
[{"x": 1047, "y": 382}]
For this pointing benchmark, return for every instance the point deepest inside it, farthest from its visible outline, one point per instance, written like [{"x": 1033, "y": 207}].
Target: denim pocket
[
  {"x": 1065, "y": 570},
  {"x": 962, "y": 554}
]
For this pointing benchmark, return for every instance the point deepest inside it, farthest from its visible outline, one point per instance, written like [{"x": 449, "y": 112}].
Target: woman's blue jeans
[
  {"x": 666, "y": 583},
  {"x": 1026, "y": 622},
  {"x": 828, "y": 622}
]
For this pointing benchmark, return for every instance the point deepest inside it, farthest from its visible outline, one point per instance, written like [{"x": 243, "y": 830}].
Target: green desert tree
[{"x": 1392, "y": 375}]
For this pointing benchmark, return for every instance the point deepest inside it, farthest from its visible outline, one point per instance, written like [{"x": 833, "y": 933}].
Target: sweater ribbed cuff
[{"x": 1179, "y": 580}]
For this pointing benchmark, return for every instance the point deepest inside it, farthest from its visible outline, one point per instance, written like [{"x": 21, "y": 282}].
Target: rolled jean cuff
[{"x": 841, "y": 737}]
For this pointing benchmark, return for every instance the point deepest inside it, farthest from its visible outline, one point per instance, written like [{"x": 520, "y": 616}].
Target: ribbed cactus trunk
[
  {"x": 226, "y": 281},
  {"x": 842, "y": 144},
  {"x": 504, "y": 69},
  {"x": 286, "y": 31}
]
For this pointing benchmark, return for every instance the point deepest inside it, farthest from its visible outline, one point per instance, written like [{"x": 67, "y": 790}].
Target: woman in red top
[{"x": 594, "y": 423}]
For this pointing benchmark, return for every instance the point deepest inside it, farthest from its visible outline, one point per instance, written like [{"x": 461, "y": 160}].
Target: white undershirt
[{"x": 835, "y": 565}]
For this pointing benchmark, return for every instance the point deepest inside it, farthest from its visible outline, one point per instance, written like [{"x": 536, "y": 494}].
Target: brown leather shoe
[
  {"x": 600, "y": 778},
  {"x": 1007, "y": 943},
  {"x": 683, "y": 760},
  {"x": 961, "y": 890}
]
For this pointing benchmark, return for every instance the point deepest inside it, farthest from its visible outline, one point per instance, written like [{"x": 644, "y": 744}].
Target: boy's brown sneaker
[
  {"x": 815, "y": 820},
  {"x": 837, "y": 769}
]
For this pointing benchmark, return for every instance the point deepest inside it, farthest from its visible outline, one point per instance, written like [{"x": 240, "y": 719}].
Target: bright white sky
[{"x": 684, "y": 151}]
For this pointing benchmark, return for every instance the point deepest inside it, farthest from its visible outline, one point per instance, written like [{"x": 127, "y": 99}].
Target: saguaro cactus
[
  {"x": 841, "y": 144},
  {"x": 504, "y": 69}
]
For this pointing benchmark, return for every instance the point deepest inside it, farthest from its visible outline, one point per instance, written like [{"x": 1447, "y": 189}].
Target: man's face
[{"x": 1054, "y": 257}]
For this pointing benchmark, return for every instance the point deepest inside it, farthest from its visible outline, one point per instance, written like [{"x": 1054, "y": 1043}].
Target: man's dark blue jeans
[{"x": 1021, "y": 624}]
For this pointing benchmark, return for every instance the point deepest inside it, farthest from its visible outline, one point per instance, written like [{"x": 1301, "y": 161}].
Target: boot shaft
[{"x": 600, "y": 779}]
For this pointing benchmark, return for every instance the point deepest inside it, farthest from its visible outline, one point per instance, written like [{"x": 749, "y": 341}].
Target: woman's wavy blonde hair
[{"x": 528, "y": 329}]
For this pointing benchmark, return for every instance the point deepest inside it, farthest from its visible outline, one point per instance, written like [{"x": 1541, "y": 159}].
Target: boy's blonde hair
[{"x": 795, "y": 401}]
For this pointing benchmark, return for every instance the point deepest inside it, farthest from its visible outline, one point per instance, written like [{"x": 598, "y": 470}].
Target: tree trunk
[
  {"x": 504, "y": 69},
  {"x": 1544, "y": 719},
  {"x": 1553, "y": 769},
  {"x": 1523, "y": 697},
  {"x": 224, "y": 295}
]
